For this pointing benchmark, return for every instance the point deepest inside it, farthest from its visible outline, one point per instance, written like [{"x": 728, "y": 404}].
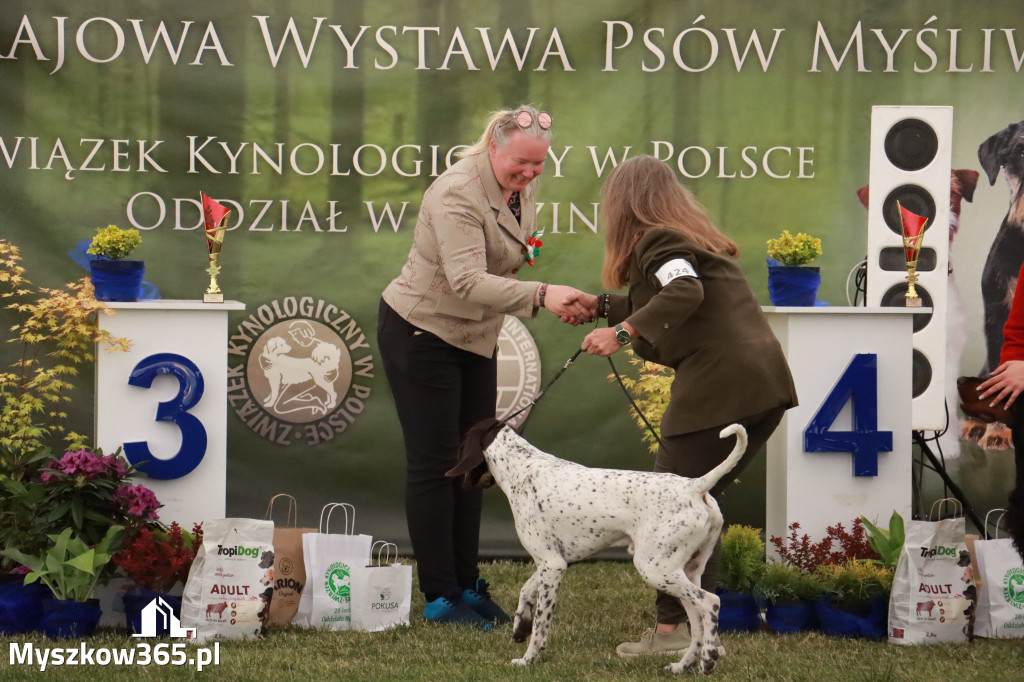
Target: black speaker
[{"x": 911, "y": 153}]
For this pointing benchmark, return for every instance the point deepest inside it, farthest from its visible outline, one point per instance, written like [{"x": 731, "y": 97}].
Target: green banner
[{"x": 321, "y": 123}]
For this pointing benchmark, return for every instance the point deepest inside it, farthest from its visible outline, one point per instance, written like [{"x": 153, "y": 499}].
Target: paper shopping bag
[
  {"x": 382, "y": 591},
  {"x": 326, "y": 600},
  {"x": 933, "y": 593},
  {"x": 1001, "y": 593},
  {"x": 289, "y": 565}
]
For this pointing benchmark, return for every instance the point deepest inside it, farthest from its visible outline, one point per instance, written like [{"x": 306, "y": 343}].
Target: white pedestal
[
  {"x": 819, "y": 489},
  {"x": 173, "y": 341}
]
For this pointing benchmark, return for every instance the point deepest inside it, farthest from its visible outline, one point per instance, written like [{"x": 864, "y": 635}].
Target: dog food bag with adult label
[{"x": 231, "y": 581}]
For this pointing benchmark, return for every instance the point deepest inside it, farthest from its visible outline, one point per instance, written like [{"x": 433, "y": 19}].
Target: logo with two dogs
[
  {"x": 1013, "y": 587},
  {"x": 306, "y": 373},
  {"x": 336, "y": 582}
]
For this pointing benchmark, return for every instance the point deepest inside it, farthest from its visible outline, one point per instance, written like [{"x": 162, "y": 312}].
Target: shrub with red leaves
[{"x": 800, "y": 552}]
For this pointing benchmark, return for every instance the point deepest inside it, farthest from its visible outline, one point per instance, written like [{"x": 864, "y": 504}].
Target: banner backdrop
[{"x": 320, "y": 123}]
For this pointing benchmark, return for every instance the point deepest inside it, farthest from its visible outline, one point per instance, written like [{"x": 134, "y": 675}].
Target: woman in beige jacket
[{"x": 438, "y": 331}]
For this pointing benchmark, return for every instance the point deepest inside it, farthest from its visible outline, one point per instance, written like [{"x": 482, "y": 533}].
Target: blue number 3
[
  {"x": 193, "y": 434},
  {"x": 859, "y": 383}
]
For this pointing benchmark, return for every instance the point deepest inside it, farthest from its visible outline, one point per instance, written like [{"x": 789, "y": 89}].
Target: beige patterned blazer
[{"x": 460, "y": 278}]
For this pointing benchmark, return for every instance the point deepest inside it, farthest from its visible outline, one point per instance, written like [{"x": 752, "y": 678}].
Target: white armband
[{"x": 677, "y": 267}]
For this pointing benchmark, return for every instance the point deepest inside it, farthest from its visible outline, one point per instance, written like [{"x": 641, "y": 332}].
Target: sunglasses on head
[{"x": 524, "y": 119}]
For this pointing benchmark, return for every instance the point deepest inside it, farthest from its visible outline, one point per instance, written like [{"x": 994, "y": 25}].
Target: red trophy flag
[
  {"x": 913, "y": 226},
  {"x": 913, "y": 233},
  {"x": 213, "y": 215},
  {"x": 216, "y": 217}
]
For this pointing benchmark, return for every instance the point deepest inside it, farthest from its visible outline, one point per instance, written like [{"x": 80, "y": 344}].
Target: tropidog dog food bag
[
  {"x": 933, "y": 593},
  {"x": 230, "y": 584}
]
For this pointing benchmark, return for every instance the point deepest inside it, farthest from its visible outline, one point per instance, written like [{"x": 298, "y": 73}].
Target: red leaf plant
[
  {"x": 156, "y": 560},
  {"x": 800, "y": 552}
]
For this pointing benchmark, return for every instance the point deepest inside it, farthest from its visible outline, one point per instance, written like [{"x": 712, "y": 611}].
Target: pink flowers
[
  {"x": 85, "y": 463},
  {"x": 137, "y": 500}
]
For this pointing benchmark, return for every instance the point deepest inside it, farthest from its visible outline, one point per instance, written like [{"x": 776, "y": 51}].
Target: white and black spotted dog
[{"x": 565, "y": 512}]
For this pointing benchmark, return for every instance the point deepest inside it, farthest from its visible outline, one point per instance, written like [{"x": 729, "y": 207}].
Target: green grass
[{"x": 600, "y": 605}]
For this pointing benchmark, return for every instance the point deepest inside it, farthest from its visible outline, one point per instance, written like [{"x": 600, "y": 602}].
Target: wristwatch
[{"x": 622, "y": 335}]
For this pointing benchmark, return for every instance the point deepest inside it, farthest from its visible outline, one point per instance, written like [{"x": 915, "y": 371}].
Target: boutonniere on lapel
[{"x": 533, "y": 245}]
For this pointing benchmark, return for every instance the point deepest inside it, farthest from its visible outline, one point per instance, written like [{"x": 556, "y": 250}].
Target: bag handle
[
  {"x": 350, "y": 522},
  {"x": 958, "y": 508},
  {"x": 383, "y": 549},
  {"x": 292, "y": 519},
  {"x": 999, "y": 522}
]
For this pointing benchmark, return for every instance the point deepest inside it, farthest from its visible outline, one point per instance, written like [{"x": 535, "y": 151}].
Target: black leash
[
  {"x": 632, "y": 402},
  {"x": 542, "y": 391}
]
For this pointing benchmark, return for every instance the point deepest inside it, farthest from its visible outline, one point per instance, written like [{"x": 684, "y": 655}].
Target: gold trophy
[
  {"x": 913, "y": 232},
  {"x": 215, "y": 217}
]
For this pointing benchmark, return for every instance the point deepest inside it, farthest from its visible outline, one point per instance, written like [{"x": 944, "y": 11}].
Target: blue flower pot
[
  {"x": 792, "y": 616},
  {"x": 870, "y": 620},
  {"x": 739, "y": 612},
  {"x": 793, "y": 285},
  {"x": 21, "y": 605},
  {"x": 117, "y": 280},
  {"x": 70, "y": 619}
]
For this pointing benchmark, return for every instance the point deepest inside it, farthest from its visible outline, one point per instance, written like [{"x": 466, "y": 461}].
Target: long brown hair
[{"x": 640, "y": 194}]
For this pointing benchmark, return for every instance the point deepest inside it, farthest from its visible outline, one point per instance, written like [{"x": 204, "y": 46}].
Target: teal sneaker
[
  {"x": 479, "y": 599},
  {"x": 444, "y": 610}
]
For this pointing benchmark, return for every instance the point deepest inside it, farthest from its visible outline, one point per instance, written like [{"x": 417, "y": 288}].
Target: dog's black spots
[{"x": 715, "y": 610}]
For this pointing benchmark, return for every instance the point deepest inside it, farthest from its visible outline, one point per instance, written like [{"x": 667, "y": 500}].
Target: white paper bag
[
  {"x": 1001, "y": 592},
  {"x": 933, "y": 593},
  {"x": 382, "y": 592},
  {"x": 329, "y": 558},
  {"x": 230, "y": 583}
]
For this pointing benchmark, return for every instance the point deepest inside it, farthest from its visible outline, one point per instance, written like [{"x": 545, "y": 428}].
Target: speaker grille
[
  {"x": 911, "y": 144},
  {"x": 896, "y": 297},
  {"x": 922, "y": 373},
  {"x": 915, "y": 199},
  {"x": 894, "y": 259}
]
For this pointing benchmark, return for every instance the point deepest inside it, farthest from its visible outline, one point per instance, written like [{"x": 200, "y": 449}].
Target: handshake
[
  {"x": 576, "y": 307},
  {"x": 571, "y": 305}
]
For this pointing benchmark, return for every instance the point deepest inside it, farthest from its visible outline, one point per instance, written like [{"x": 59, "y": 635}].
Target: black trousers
[
  {"x": 693, "y": 455},
  {"x": 439, "y": 391}
]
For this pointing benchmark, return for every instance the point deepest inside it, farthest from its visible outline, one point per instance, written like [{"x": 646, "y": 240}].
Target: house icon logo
[{"x": 158, "y": 618}]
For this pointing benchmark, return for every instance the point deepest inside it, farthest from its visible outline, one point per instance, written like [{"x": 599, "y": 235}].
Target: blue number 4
[
  {"x": 859, "y": 384},
  {"x": 193, "y": 435}
]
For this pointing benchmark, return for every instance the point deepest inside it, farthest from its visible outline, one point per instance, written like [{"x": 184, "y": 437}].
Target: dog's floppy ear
[
  {"x": 968, "y": 180},
  {"x": 990, "y": 152},
  {"x": 476, "y": 440},
  {"x": 862, "y": 194}
]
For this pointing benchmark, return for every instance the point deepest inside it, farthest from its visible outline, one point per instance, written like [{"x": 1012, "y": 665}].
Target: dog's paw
[{"x": 521, "y": 662}]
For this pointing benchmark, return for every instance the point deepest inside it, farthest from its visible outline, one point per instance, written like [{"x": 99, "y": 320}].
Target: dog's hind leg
[{"x": 547, "y": 579}]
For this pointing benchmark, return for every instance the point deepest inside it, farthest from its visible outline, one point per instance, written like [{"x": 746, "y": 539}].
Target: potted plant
[
  {"x": 790, "y": 596},
  {"x": 70, "y": 568},
  {"x": 651, "y": 389},
  {"x": 791, "y": 282},
  {"x": 856, "y": 599},
  {"x": 156, "y": 561},
  {"x": 741, "y": 566},
  {"x": 114, "y": 277},
  {"x": 887, "y": 543}
]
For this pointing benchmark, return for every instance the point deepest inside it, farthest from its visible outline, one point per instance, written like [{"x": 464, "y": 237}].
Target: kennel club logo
[{"x": 299, "y": 370}]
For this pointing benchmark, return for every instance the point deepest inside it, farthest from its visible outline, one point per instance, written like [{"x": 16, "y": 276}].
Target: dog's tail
[{"x": 708, "y": 480}]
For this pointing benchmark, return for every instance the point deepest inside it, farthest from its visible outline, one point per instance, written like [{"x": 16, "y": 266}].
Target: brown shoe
[{"x": 652, "y": 642}]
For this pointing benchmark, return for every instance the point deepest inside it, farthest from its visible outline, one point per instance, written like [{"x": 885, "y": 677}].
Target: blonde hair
[
  {"x": 642, "y": 193},
  {"x": 500, "y": 127}
]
